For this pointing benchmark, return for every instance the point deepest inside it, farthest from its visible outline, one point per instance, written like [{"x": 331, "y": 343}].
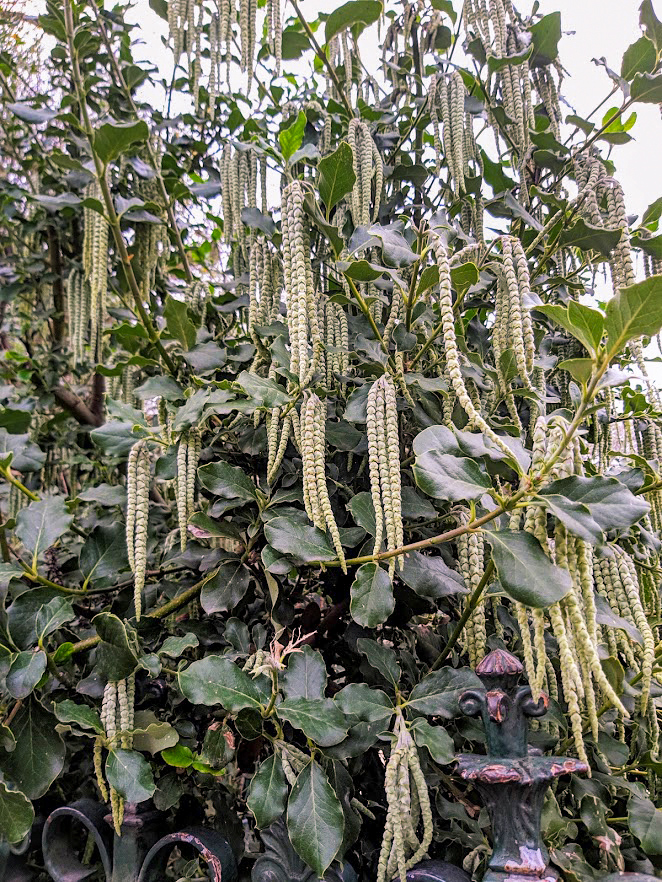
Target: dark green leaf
[
  {"x": 302, "y": 542},
  {"x": 590, "y": 238},
  {"x": 448, "y": 477},
  {"x": 611, "y": 504},
  {"x": 217, "y": 680},
  {"x": 111, "y": 140},
  {"x": 42, "y": 523},
  {"x": 438, "y": 693},
  {"x": 26, "y": 456},
  {"x": 16, "y": 814},
  {"x": 103, "y": 556},
  {"x": 267, "y": 794},
  {"x": 574, "y": 515},
  {"x": 639, "y": 57},
  {"x": 647, "y": 88},
  {"x": 525, "y": 572},
  {"x": 160, "y": 387},
  {"x": 430, "y": 576},
  {"x": 381, "y": 658},
  {"x": 290, "y": 139},
  {"x": 437, "y": 740},
  {"x": 372, "y": 600},
  {"x": 545, "y": 35},
  {"x": 305, "y": 675},
  {"x": 651, "y": 24},
  {"x": 369, "y": 705},
  {"x": 52, "y": 616},
  {"x": 38, "y": 757},
  {"x": 633, "y": 312},
  {"x": 315, "y": 820},
  {"x": 117, "y": 655},
  {"x": 337, "y": 176},
  {"x": 265, "y": 392},
  {"x": 355, "y": 12},
  {"x": 85, "y": 717},
  {"x": 177, "y": 646},
  {"x": 645, "y": 822},
  {"x": 226, "y": 589},
  {"x": 178, "y": 323},
  {"x": 227, "y": 482},
  {"x": 130, "y": 774},
  {"x": 318, "y": 718},
  {"x": 363, "y": 511},
  {"x": 25, "y": 672}
]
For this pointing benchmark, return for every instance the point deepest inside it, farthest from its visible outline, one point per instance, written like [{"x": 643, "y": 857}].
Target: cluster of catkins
[
  {"x": 368, "y": 165},
  {"x": 471, "y": 565},
  {"x": 452, "y": 367},
  {"x": 384, "y": 463},
  {"x": 513, "y": 329},
  {"x": 408, "y": 806},
  {"x": 188, "y": 456},
  {"x": 117, "y": 710},
  {"x": 95, "y": 269},
  {"x": 502, "y": 35},
  {"x": 446, "y": 103},
  {"x": 187, "y": 21},
  {"x": 573, "y": 619},
  {"x": 137, "y": 516},
  {"x": 239, "y": 176}
]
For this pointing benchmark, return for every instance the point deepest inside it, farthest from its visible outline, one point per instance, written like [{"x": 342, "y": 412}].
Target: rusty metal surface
[{"x": 210, "y": 846}]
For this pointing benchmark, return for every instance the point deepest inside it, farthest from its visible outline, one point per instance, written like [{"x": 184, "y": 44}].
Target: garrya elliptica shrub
[{"x": 321, "y": 378}]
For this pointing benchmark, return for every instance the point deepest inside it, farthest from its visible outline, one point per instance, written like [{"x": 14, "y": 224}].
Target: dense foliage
[{"x": 312, "y": 393}]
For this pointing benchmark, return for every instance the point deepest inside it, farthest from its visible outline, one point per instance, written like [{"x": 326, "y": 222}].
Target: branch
[
  {"x": 77, "y": 407},
  {"x": 321, "y": 54},
  {"x": 102, "y": 178},
  {"x": 152, "y": 155}
]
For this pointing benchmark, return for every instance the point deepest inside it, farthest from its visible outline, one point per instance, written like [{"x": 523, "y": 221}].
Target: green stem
[
  {"x": 41, "y": 580},
  {"x": 321, "y": 54},
  {"x": 474, "y": 600},
  {"x": 365, "y": 309},
  {"x": 159, "y": 613},
  {"x": 12, "y": 480}
]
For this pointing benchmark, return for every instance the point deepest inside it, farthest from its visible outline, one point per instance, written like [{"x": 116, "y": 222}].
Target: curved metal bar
[
  {"x": 209, "y": 844},
  {"x": 437, "y": 871},
  {"x": 60, "y": 859}
]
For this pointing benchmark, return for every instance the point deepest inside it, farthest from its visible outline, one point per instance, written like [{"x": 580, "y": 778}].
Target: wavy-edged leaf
[
  {"x": 315, "y": 820},
  {"x": 372, "y": 600},
  {"x": 217, "y": 680},
  {"x": 267, "y": 794},
  {"x": 525, "y": 572}
]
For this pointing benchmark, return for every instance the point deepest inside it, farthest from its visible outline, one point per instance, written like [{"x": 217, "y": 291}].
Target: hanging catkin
[
  {"x": 137, "y": 515},
  {"x": 408, "y": 807},
  {"x": 384, "y": 462},
  {"x": 95, "y": 267},
  {"x": 368, "y": 168},
  {"x": 78, "y": 313},
  {"x": 300, "y": 296},
  {"x": 313, "y": 454},
  {"x": 117, "y": 719},
  {"x": 188, "y": 456},
  {"x": 451, "y": 350}
]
